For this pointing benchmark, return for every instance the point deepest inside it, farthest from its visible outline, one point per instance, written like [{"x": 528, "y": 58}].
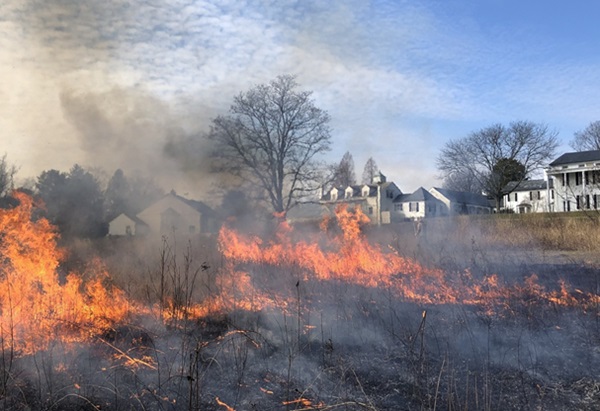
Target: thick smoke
[{"x": 140, "y": 134}]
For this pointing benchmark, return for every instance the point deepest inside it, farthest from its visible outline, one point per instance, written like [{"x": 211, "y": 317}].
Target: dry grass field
[{"x": 474, "y": 313}]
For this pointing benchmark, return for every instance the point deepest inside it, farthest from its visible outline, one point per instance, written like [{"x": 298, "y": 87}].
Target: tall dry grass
[{"x": 543, "y": 231}]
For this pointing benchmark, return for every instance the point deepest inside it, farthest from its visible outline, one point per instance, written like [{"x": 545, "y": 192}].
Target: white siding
[
  {"x": 183, "y": 219},
  {"x": 122, "y": 225}
]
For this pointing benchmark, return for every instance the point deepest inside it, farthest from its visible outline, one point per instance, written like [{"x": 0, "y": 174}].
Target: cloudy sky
[{"x": 124, "y": 83}]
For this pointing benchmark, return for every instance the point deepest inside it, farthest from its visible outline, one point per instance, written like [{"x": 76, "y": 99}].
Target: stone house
[{"x": 376, "y": 199}]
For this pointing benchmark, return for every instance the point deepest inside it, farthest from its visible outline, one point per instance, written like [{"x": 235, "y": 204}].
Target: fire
[
  {"x": 36, "y": 307},
  {"x": 348, "y": 257}
]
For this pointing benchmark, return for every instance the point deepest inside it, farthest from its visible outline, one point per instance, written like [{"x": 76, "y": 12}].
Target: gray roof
[
  {"x": 527, "y": 185},
  {"x": 577, "y": 157},
  {"x": 464, "y": 197},
  {"x": 133, "y": 218},
  {"x": 420, "y": 194},
  {"x": 196, "y": 205},
  {"x": 356, "y": 192}
]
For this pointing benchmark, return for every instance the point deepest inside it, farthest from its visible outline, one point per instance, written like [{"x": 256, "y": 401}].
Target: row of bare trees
[
  {"x": 274, "y": 134},
  {"x": 488, "y": 159}
]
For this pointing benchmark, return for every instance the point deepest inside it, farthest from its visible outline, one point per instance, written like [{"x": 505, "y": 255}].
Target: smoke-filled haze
[{"x": 134, "y": 84}]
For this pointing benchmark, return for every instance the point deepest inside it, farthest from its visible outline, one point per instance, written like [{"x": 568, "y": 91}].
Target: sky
[{"x": 134, "y": 84}]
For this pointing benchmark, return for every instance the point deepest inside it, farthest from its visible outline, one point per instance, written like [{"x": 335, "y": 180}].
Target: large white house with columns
[{"x": 576, "y": 178}]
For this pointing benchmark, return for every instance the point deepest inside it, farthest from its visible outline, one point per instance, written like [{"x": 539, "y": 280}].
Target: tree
[
  {"x": 7, "y": 174},
  {"x": 369, "y": 171},
  {"x": 271, "y": 138},
  {"x": 73, "y": 202},
  {"x": 506, "y": 170},
  {"x": 116, "y": 195},
  {"x": 464, "y": 181},
  {"x": 130, "y": 196},
  {"x": 343, "y": 173},
  {"x": 486, "y": 155},
  {"x": 588, "y": 138}
]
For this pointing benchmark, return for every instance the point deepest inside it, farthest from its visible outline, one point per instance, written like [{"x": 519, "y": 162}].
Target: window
[
  {"x": 530, "y": 195},
  {"x": 398, "y": 207},
  {"x": 578, "y": 202},
  {"x": 334, "y": 196},
  {"x": 539, "y": 195},
  {"x": 370, "y": 210},
  {"x": 587, "y": 201},
  {"x": 516, "y": 197},
  {"x": 578, "y": 178},
  {"x": 128, "y": 230},
  {"x": 413, "y": 207}
]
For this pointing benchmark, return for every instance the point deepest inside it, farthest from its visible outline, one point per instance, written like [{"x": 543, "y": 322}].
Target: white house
[
  {"x": 419, "y": 204},
  {"x": 461, "y": 202},
  {"x": 128, "y": 225},
  {"x": 529, "y": 196},
  {"x": 172, "y": 214},
  {"x": 576, "y": 179}
]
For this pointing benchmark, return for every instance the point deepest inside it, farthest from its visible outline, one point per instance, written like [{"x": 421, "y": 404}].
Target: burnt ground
[
  {"x": 337, "y": 346},
  {"x": 343, "y": 347}
]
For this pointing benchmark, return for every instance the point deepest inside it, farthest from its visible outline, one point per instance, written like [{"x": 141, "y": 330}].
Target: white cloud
[{"x": 390, "y": 73}]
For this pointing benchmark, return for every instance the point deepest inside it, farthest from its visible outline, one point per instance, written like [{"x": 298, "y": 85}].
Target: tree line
[
  {"x": 272, "y": 139},
  {"x": 76, "y": 202}
]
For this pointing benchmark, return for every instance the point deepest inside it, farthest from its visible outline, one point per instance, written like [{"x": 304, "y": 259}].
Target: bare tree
[
  {"x": 7, "y": 174},
  {"x": 490, "y": 153},
  {"x": 369, "y": 171},
  {"x": 272, "y": 137},
  {"x": 588, "y": 138},
  {"x": 464, "y": 181},
  {"x": 343, "y": 173}
]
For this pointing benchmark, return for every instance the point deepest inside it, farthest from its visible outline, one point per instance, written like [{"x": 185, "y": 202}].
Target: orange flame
[
  {"x": 35, "y": 306},
  {"x": 349, "y": 257}
]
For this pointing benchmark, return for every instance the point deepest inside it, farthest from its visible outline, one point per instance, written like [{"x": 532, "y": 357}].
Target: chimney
[{"x": 378, "y": 178}]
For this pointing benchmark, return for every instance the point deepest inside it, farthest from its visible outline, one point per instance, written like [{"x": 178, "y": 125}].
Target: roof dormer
[
  {"x": 365, "y": 190},
  {"x": 333, "y": 194},
  {"x": 348, "y": 192}
]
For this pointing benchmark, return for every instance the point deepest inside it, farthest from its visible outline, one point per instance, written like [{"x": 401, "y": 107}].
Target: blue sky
[{"x": 110, "y": 84}]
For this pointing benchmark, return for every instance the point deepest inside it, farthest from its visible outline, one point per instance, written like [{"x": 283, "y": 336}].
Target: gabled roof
[
  {"x": 420, "y": 194},
  {"x": 133, "y": 218},
  {"x": 196, "y": 205},
  {"x": 577, "y": 157},
  {"x": 464, "y": 197},
  {"x": 527, "y": 185}
]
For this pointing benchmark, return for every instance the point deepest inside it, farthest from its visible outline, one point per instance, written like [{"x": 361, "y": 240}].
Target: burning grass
[{"x": 294, "y": 321}]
